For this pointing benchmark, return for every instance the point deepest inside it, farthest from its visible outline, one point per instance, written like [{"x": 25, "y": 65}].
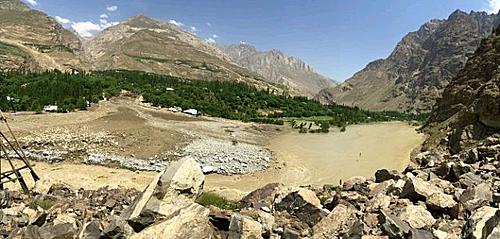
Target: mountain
[
  {"x": 420, "y": 67},
  {"x": 469, "y": 109},
  {"x": 145, "y": 44},
  {"x": 31, "y": 40},
  {"x": 279, "y": 68}
]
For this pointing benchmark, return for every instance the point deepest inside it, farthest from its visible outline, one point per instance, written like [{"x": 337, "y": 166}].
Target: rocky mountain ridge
[
  {"x": 145, "y": 44},
  {"x": 31, "y": 40},
  {"x": 469, "y": 110},
  {"x": 279, "y": 68},
  {"x": 419, "y": 68}
]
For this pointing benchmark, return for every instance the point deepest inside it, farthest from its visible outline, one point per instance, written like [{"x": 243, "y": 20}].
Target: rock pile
[
  {"x": 226, "y": 157},
  {"x": 444, "y": 197}
]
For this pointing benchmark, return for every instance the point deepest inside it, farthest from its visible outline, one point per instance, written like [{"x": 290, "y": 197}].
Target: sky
[{"x": 336, "y": 37}]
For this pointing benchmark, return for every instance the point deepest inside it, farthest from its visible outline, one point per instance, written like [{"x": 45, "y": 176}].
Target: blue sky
[{"x": 336, "y": 37}]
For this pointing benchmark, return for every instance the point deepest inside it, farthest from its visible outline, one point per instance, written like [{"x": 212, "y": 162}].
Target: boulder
[
  {"x": 90, "y": 230},
  {"x": 190, "y": 222},
  {"x": 417, "y": 217},
  {"x": 51, "y": 231},
  {"x": 469, "y": 179},
  {"x": 242, "y": 227},
  {"x": 290, "y": 234},
  {"x": 384, "y": 175},
  {"x": 341, "y": 217},
  {"x": 380, "y": 201},
  {"x": 420, "y": 234},
  {"x": 262, "y": 197},
  {"x": 170, "y": 191},
  {"x": 183, "y": 178},
  {"x": 354, "y": 183},
  {"x": 118, "y": 228},
  {"x": 477, "y": 196},
  {"x": 440, "y": 202},
  {"x": 304, "y": 205},
  {"x": 486, "y": 222},
  {"x": 381, "y": 188},
  {"x": 393, "y": 226},
  {"x": 418, "y": 190}
]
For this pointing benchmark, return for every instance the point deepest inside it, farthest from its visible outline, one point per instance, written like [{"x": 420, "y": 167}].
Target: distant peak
[
  {"x": 143, "y": 21},
  {"x": 457, "y": 13}
]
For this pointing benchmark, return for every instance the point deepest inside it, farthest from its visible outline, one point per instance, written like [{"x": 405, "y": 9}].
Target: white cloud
[
  {"x": 103, "y": 21},
  {"x": 193, "y": 29},
  {"x": 32, "y": 2},
  {"x": 209, "y": 24},
  {"x": 493, "y": 6},
  {"x": 104, "y": 15},
  {"x": 179, "y": 24},
  {"x": 215, "y": 36},
  {"x": 62, "y": 20},
  {"x": 210, "y": 40},
  {"x": 108, "y": 24},
  {"x": 86, "y": 29},
  {"x": 112, "y": 8}
]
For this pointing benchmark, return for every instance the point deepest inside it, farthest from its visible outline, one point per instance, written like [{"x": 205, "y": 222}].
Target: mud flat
[{"x": 302, "y": 159}]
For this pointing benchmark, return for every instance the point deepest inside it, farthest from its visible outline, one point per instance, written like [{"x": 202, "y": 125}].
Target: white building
[
  {"x": 50, "y": 108},
  {"x": 191, "y": 111}
]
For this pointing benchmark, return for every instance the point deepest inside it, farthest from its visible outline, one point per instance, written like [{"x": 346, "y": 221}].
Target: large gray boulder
[
  {"x": 242, "y": 227},
  {"x": 417, "y": 217},
  {"x": 342, "y": 217},
  {"x": 172, "y": 190},
  {"x": 302, "y": 204},
  {"x": 393, "y": 226},
  {"x": 478, "y": 196},
  {"x": 189, "y": 222},
  {"x": 419, "y": 190}
]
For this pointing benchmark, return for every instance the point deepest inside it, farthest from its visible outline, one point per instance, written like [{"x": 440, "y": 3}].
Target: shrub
[{"x": 209, "y": 198}]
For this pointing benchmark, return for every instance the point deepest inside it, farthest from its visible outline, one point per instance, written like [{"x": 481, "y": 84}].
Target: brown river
[{"x": 317, "y": 159}]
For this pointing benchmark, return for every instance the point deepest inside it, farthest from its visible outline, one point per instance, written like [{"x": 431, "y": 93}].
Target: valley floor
[{"x": 121, "y": 132}]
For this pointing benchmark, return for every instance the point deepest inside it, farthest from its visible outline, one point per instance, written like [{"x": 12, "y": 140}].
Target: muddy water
[{"x": 319, "y": 159}]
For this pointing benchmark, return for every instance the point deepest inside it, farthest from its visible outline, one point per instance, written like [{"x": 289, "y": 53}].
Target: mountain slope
[
  {"x": 31, "y": 40},
  {"x": 469, "y": 109},
  {"x": 145, "y": 44},
  {"x": 279, "y": 68},
  {"x": 418, "y": 69}
]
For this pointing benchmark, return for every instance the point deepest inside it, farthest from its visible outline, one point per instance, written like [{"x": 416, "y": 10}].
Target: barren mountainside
[
  {"x": 31, "y": 40},
  {"x": 145, "y": 44},
  {"x": 469, "y": 109},
  {"x": 419, "y": 68},
  {"x": 279, "y": 68}
]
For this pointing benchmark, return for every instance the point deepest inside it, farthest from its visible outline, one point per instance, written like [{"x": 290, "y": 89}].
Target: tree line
[{"x": 225, "y": 99}]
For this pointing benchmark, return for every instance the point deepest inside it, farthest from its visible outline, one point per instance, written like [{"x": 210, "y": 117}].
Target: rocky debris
[
  {"x": 62, "y": 212},
  {"x": 225, "y": 157},
  {"x": 421, "y": 202},
  {"x": 127, "y": 162}
]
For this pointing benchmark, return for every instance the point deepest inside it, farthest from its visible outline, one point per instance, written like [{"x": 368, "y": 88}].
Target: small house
[
  {"x": 50, "y": 108},
  {"x": 191, "y": 111}
]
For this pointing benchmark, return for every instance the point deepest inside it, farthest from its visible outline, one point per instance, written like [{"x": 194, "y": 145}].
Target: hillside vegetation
[{"x": 231, "y": 100}]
